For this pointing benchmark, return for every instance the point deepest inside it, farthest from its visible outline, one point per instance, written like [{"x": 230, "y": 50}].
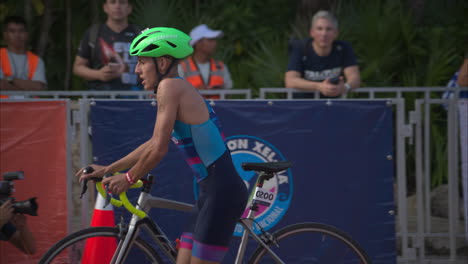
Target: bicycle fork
[{"x": 123, "y": 247}]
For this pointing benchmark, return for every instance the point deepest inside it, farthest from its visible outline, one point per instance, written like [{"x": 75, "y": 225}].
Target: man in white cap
[{"x": 200, "y": 69}]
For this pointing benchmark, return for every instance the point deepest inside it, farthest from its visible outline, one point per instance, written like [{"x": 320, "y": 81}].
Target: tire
[
  {"x": 311, "y": 243},
  {"x": 70, "y": 249}
]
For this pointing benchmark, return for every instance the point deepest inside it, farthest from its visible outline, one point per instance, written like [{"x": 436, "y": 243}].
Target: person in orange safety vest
[
  {"x": 20, "y": 69},
  {"x": 200, "y": 69}
]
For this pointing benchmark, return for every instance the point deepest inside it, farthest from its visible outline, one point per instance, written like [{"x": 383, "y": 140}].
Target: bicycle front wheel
[
  {"x": 311, "y": 243},
  {"x": 89, "y": 245}
]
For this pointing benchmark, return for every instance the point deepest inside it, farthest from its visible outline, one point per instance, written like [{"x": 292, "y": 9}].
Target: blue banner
[{"x": 341, "y": 172}]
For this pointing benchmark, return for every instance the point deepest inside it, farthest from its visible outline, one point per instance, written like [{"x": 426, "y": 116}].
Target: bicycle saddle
[{"x": 269, "y": 167}]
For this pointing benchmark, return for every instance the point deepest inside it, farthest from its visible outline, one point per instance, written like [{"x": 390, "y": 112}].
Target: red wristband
[{"x": 129, "y": 179}]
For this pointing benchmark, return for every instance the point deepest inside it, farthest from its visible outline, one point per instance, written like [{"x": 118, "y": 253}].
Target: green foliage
[
  {"x": 440, "y": 63},
  {"x": 395, "y": 44},
  {"x": 268, "y": 60},
  {"x": 375, "y": 31},
  {"x": 439, "y": 152},
  {"x": 152, "y": 13},
  {"x": 250, "y": 47},
  {"x": 255, "y": 55}
]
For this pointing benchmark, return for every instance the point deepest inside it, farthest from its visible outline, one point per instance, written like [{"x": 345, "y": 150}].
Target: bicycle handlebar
[
  {"x": 123, "y": 196},
  {"x": 123, "y": 199}
]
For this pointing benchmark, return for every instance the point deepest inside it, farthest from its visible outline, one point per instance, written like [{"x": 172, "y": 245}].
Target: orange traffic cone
[{"x": 100, "y": 249}]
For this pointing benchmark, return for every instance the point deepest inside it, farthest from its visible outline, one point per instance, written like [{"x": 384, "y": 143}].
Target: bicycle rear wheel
[
  {"x": 311, "y": 243},
  {"x": 71, "y": 249}
]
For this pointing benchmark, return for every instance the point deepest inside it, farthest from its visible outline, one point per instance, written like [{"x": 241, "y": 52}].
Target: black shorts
[{"x": 222, "y": 199}]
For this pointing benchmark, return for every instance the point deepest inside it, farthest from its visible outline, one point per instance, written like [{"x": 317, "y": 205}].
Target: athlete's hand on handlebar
[
  {"x": 117, "y": 183},
  {"x": 99, "y": 172}
]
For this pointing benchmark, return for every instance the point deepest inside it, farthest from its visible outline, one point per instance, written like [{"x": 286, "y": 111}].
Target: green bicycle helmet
[{"x": 160, "y": 41}]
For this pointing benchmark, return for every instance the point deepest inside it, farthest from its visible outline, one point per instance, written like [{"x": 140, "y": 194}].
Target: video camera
[{"x": 7, "y": 188}]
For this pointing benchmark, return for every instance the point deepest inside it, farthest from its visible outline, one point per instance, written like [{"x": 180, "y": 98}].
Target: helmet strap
[{"x": 162, "y": 75}]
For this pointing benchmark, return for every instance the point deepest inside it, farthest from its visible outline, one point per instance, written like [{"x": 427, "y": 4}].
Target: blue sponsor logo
[{"x": 246, "y": 148}]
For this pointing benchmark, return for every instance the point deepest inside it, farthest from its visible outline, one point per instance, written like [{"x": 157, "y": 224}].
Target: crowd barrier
[
  {"x": 224, "y": 94},
  {"x": 415, "y": 126},
  {"x": 370, "y": 92},
  {"x": 330, "y": 179},
  {"x": 412, "y": 133}
]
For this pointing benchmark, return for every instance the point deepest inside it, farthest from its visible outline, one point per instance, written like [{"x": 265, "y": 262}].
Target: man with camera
[{"x": 14, "y": 228}]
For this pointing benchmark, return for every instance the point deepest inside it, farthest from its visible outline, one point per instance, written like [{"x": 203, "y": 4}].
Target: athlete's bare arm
[{"x": 169, "y": 98}]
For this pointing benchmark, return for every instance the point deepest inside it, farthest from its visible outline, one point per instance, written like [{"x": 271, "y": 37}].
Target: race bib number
[{"x": 264, "y": 197}]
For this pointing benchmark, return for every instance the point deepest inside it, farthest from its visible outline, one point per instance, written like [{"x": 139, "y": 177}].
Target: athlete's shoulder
[{"x": 174, "y": 86}]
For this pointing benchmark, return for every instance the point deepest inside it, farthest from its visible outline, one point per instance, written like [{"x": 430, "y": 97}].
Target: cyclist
[{"x": 184, "y": 113}]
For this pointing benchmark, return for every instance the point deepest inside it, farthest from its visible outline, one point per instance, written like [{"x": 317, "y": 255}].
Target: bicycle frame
[
  {"x": 247, "y": 223},
  {"x": 146, "y": 201}
]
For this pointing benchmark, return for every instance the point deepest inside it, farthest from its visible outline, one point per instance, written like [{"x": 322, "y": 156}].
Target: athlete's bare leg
[
  {"x": 196, "y": 260},
  {"x": 183, "y": 256}
]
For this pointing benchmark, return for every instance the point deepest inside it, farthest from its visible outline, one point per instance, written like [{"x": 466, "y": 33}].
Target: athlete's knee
[
  {"x": 186, "y": 241},
  {"x": 184, "y": 256},
  {"x": 208, "y": 253},
  {"x": 196, "y": 260}
]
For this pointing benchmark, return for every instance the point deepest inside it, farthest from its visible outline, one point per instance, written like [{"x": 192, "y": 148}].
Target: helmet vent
[
  {"x": 150, "y": 48},
  {"x": 138, "y": 42},
  {"x": 171, "y": 44}
]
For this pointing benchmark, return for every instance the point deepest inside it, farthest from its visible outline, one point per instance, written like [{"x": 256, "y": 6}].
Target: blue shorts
[{"x": 222, "y": 200}]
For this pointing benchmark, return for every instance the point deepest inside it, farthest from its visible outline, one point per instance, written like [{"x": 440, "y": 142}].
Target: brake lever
[
  {"x": 84, "y": 188},
  {"x": 108, "y": 194}
]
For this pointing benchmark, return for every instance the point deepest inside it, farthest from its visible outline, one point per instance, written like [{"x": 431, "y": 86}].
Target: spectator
[
  {"x": 20, "y": 69},
  {"x": 463, "y": 73},
  {"x": 102, "y": 57},
  {"x": 459, "y": 79},
  {"x": 315, "y": 62},
  {"x": 200, "y": 69},
  {"x": 14, "y": 228}
]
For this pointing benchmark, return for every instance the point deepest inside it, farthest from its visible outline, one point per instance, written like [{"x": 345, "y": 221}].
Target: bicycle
[{"x": 322, "y": 241}]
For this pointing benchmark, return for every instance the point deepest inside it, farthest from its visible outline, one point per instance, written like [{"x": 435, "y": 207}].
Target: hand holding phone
[
  {"x": 114, "y": 65},
  {"x": 334, "y": 80}
]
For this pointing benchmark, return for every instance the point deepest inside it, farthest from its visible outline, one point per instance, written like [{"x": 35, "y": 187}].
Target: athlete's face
[
  {"x": 323, "y": 32},
  {"x": 117, "y": 9},
  {"x": 146, "y": 71}
]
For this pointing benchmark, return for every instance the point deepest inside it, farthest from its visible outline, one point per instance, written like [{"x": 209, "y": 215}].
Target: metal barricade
[
  {"x": 412, "y": 132},
  {"x": 371, "y": 92},
  {"x": 416, "y": 133},
  {"x": 223, "y": 93}
]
